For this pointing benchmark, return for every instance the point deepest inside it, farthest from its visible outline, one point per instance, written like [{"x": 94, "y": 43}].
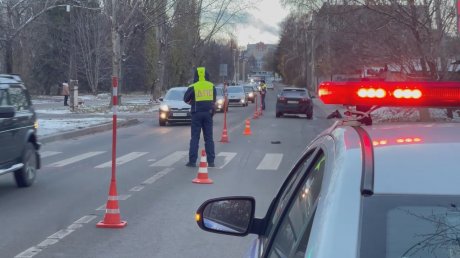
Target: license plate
[
  {"x": 292, "y": 102},
  {"x": 179, "y": 114}
]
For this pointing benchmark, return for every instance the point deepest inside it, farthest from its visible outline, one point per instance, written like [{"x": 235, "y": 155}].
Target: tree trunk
[{"x": 9, "y": 56}]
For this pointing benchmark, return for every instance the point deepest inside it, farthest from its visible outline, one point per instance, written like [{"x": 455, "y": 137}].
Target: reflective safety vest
[{"x": 203, "y": 91}]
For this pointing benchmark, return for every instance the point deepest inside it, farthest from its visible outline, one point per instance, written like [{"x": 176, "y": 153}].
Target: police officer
[
  {"x": 263, "y": 91},
  {"x": 201, "y": 95}
]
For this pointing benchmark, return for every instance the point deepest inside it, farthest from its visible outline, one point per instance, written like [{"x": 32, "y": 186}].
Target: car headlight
[
  {"x": 36, "y": 124},
  {"x": 243, "y": 100},
  {"x": 251, "y": 94},
  {"x": 220, "y": 101},
  {"x": 164, "y": 108}
]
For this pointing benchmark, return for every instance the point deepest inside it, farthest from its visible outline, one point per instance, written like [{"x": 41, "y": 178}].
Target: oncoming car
[
  {"x": 387, "y": 190},
  {"x": 173, "y": 109},
  {"x": 237, "y": 96},
  {"x": 221, "y": 101},
  {"x": 250, "y": 93},
  {"x": 294, "y": 101},
  {"x": 18, "y": 132}
]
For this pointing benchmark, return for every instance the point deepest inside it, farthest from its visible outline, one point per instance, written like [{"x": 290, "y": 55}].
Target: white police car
[{"x": 362, "y": 191}]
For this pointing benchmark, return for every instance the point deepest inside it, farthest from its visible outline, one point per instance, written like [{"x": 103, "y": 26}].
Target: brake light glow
[
  {"x": 281, "y": 98},
  {"x": 427, "y": 94}
]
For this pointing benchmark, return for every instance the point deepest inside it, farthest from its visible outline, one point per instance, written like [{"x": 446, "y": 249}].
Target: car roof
[
  {"x": 178, "y": 88},
  {"x": 294, "y": 89},
  {"x": 414, "y": 158}
]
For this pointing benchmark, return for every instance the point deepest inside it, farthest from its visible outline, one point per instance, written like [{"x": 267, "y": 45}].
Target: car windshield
[
  {"x": 293, "y": 93},
  {"x": 410, "y": 226},
  {"x": 219, "y": 91},
  {"x": 235, "y": 89},
  {"x": 175, "y": 94},
  {"x": 248, "y": 89}
]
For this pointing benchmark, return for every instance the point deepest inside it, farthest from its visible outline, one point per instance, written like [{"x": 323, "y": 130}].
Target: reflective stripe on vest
[{"x": 203, "y": 91}]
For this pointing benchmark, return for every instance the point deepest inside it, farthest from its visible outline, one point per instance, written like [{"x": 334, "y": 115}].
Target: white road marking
[
  {"x": 45, "y": 154},
  {"x": 68, "y": 161},
  {"x": 152, "y": 160},
  {"x": 123, "y": 159},
  {"x": 136, "y": 188},
  {"x": 85, "y": 219},
  {"x": 74, "y": 226},
  {"x": 47, "y": 242},
  {"x": 228, "y": 157},
  {"x": 157, "y": 176},
  {"x": 271, "y": 161},
  {"x": 31, "y": 252},
  {"x": 101, "y": 208},
  {"x": 170, "y": 159},
  {"x": 61, "y": 234}
]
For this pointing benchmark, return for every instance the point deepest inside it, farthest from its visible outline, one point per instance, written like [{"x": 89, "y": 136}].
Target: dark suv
[{"x": 18, "y": 132}]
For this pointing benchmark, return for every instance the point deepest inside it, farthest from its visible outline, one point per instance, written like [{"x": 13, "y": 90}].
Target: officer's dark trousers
[
  {"x": 263, "y": 101},
  {"x": 201, "y": 120}
]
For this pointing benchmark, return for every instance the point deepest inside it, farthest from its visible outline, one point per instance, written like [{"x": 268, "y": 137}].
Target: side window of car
[
  {"x": 292, "y": 236},
  {"x": 3, "y": 98},
  {"x": 288, "y": 189},
  {"x": 18, "y": 98}
]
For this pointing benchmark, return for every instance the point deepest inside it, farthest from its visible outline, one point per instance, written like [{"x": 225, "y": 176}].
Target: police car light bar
[{"x": 372, "y": 93}]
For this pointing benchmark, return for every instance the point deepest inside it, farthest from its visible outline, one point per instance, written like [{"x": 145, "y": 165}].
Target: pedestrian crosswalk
[{"x": 259, "y": 161}]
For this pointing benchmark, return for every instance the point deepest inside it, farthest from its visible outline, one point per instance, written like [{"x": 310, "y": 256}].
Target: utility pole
[
  {"x": 116, "y": 49},
  {"x": 234, "y": 65}
]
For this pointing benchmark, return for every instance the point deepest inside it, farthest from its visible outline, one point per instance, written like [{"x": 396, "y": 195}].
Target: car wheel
[
  {"x": 309, "y": 116},
  {"x": 279, "y": 114},
  {"x": 162, "y": 122},
  {"x": 26, "y": 175}
]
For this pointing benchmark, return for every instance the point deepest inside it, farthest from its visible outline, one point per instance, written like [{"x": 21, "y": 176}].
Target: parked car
[
  {"x": 221, "y": 101},
  {"x": 18, "y": 132},
  {"x": 386, "y": 190},
  {"x": 236, "y": 96},
  {"x": 173, "y": 109},
  {"x": 294, "y": 101},
  {"x": 251, "y": 94}
]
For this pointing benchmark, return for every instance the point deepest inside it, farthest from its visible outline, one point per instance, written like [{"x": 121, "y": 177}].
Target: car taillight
[
  {"x": 304, "y": 100},
  {"x": 281, "y": 99}
]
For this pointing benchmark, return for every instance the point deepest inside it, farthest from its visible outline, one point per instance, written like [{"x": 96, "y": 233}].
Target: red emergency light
[{"x": 371, "y": 93}]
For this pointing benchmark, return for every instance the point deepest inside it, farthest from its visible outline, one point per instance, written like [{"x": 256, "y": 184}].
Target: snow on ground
[
  {"x": 392, "y": 114},
  {"x": 54, "y": 111},
  {"x": 54, "y": 126}
]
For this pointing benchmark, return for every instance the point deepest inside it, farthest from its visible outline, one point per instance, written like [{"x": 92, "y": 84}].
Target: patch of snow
[
  {"x": 54, "y": 126},
  {"x": 53, "y": 111}
]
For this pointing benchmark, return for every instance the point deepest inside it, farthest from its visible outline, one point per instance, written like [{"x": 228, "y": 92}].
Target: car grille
[{"x": 180, "y": 109}]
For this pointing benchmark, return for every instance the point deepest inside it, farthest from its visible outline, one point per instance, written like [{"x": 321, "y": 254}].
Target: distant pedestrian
[
  {"x": 65, "y": 92},
  {"x": 201, "y": 95}
]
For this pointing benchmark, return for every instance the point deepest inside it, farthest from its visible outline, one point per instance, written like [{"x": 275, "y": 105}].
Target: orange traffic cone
[
  {"x": 224, "y": 138},
  {"x": 112, "y": 217},
  {"x": 202, "y": 176},
  {"x": 247, "y": 128}
]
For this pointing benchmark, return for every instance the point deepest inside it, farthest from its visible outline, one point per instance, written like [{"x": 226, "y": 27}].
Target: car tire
[
  {"x": 25, "y": 176},
  {"x": 279, "y": 114},
  {"x": 162, "y": 123},
  {"x": 309, "y": 116}
]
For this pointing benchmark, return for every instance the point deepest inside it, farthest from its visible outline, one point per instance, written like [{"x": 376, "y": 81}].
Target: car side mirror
[
  {"x": 227, "y": 215},
  {"x": 7, "y": 112},
  {"x": 160, "y": 98}
]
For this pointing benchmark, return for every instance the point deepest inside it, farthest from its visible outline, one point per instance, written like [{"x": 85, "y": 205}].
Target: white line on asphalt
[
  {"x": 101, "y": 208},
  {"x": 31, "y": 252},
  {"x": 123, "y": 159},
  {"x": 170, "y": 159},
  {"x": 271, "y": 161},
  {"x": 157, "y": 176},
  {"x": 75, "y": 226},
  {"x": 76, "y": 159},
  {"x": 228, "y": 157},
  {"x": 61, "y": 234},
  {"x": 45, "y": 154},
  {"x": 136, "y": 188},
  {"x": 47, "y": 242},
  {"x": 85, "y": 219}
]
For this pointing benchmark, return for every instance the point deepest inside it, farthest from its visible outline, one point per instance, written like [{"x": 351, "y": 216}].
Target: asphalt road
[{"x": 56, "y": 217}]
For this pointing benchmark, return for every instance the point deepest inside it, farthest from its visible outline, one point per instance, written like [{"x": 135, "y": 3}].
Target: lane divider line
[{"x": 157, "y": 176}]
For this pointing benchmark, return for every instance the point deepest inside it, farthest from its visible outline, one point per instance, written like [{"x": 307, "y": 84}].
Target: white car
[
  {"x": 389, "y": 190},
  {"x": 237, "y": 96}
]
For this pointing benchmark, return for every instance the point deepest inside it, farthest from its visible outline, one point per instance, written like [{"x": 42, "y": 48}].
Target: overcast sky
[{"x": 261, "y": 24}]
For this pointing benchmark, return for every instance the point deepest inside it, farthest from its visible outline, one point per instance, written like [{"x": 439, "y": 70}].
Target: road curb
[{"x": 90, "y": 130}]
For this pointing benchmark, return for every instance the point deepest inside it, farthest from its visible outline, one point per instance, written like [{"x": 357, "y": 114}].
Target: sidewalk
[{"x": 57, "y": 121}]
